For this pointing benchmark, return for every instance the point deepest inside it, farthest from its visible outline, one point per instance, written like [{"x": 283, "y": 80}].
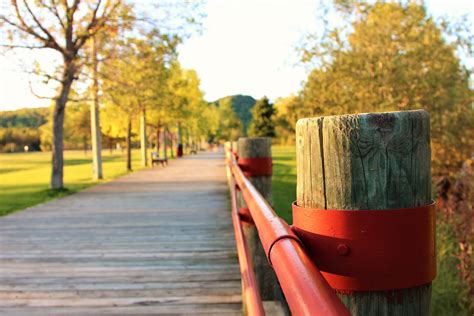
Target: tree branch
[
  {"x": 35, "y": 19},
  {"x": 54, "y": 10},
  {"x": 95, "y": 24},
  {"x": 24, "y": 26},
  {"x": 37, "y": 95},
  {"x": 23, "y": 46}
]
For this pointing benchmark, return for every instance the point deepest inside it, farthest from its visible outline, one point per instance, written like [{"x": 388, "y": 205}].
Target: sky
[{"x": 245, "y": 47}]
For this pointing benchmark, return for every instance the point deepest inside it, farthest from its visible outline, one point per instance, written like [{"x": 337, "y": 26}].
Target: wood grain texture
[
  {"x": 257, "y": 147},
  {"x": 159, "y": 241},
  {"x": 366, "y": 162}
]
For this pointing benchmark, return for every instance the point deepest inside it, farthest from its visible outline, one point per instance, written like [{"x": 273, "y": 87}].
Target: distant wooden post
[
  {"x": 260, "y": 147},
  {"x": 368, "y": 162}
]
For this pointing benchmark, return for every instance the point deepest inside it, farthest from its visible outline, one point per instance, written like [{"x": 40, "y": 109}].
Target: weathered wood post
[
  {"x": 374, "y": 161},
  {"x": 251, "y": 152}
]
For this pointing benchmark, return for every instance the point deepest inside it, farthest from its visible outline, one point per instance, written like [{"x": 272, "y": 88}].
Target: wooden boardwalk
[{"x": 158, "y": 241}]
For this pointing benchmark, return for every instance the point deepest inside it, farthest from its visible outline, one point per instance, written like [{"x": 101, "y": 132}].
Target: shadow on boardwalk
[{"x": 158, "y": 241}]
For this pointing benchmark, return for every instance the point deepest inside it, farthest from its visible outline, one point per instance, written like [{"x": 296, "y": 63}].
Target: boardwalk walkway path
[{"x": 158, "y": 241}]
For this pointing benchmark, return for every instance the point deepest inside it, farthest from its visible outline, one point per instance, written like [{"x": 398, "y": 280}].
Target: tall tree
[
  {"x": 96, "y": 138},
  {"x": 64, "y": 27},
  {"x": 78, "y": 122},
  {"x": 287, "y": 111},
  {"x": 102, "y": 47},
  {"x": 393, "y": 56},
  {"x": 263, "y": 124},
  {"x": 119, "y": 85},
  {"x": 230, "y": 126}
]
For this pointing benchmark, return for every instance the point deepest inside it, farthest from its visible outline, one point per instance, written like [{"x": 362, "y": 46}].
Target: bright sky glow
[
  {"x": 246, "y": 47},
  {"x": 249, "y": 47}
]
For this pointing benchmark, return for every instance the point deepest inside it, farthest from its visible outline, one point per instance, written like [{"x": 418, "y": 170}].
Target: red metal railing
[
  {"x": 251, "y": 296},
  {"x": 306, "y": 291}
]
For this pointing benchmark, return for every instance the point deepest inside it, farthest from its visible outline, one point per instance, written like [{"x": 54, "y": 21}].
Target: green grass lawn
[
  {"x": 24, "y": 177},
  {"x": 447, "y": 287},
  {"x": 284, "y": 180}
]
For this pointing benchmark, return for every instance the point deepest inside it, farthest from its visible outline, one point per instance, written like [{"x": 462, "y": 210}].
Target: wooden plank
[
  {"x": 153, "y": 242},
  {"x": 120, "y": 291},
  {"x": 120, "y": 301},
  {"x": 161, "y": 309}
]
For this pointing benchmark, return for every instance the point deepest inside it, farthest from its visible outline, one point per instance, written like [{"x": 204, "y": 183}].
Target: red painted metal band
[
  {"x": 256, "y": 167},
  {"x": 370, "y": 250},
  {"x": 244, "y": 214}
]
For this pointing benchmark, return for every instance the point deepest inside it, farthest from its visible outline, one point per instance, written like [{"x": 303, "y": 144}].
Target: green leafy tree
[
  {"x": 24, "y": 117},
  {"x": 263, "y": 123},
  {"x": 76, "y": 128},
  {"x": 230, "y": 126},
  {"x": 242, "y": 105},
  {"x": 392, "y": 57},
  {"x": 197, "y": 121},
  {"x": 64, "y": 27},
  {"x": 78, "y": 120},
  {"x": 287, "y": 110},
  {"x": 120, "y": 81}
]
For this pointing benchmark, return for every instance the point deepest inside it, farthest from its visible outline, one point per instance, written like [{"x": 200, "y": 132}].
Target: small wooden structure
[
  {"x": 373, "y": 161},
  {"x": 155, "y": 159},
  {"x": 248, "y": 148},
  {"x": 363, "y": 220}
]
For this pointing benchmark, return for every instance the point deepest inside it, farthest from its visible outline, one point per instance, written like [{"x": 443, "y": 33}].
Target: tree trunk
[
  {"x": 111, "y": 145},
  {"x": 143, "y": 138},
  {"x": 84, "y": 145},
  {"x": 165, "y": 143},
  {"x": 95, "y": 119},
  {"x": 190, "y": 141},
  {"x": 58, "y": 126},
  {"x": 158, "y": 133},
  {"x": 129, "y": 144},
  {"x": 171, "y": 138}
]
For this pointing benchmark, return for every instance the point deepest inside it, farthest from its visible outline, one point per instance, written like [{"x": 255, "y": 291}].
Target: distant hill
[
  {"x": 242, "y": 105},
  {"x": 34, "y": 117},
  {"x": 20, "y": 128}
]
